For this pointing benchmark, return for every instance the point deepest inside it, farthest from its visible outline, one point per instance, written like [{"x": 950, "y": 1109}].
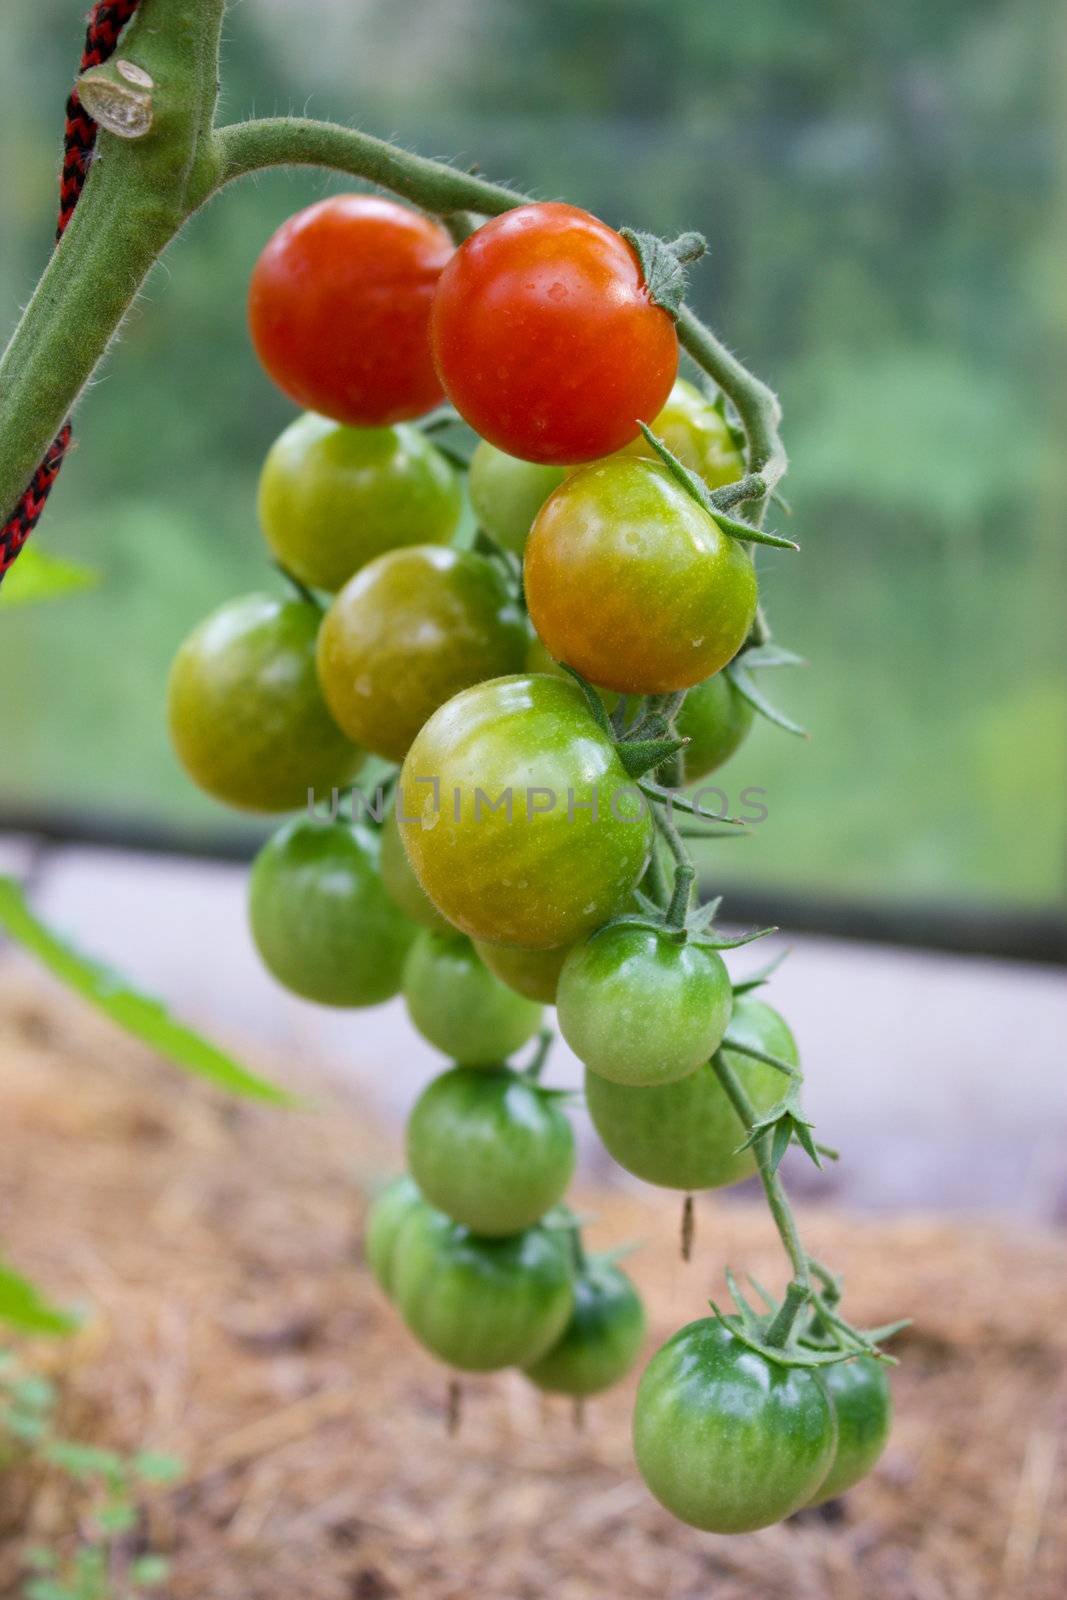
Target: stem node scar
[{"x": 118, "y": 96}]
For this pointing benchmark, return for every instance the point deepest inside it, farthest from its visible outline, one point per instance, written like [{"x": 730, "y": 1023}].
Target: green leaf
[
  {"x": 748, "y": 691},
  {"x": 38, "y": 576},
  {"x": 22, "y": 1305},
  {"x": 663, "y": 264},
  {"x": 140, "y": 1015}
]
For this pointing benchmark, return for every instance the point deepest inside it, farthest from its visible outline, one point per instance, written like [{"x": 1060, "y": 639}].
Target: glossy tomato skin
[
  {"x": 550, "y": 871},
  {"x": 339, "y": 309},
  {"x": 633, "y": 583},
  {"x": 390, "y": 1210},
  {"x": 859, "y": 1391},
  {"x": 460, "y": 1007},
  {"x": 321, "y": 919},
  {"x": 696, "y": 432},
  {"x": 408, "y": 632},
  {"x": 725, "y": 1439},
  {"x": 489, "y": 1149},
  {"x": 481, "y": 1304},
  {"x": 400, "y": 881},
  {"x": 684, "y": 1135},
  {"x": 546, "y": 339},
  {"x": 247, "y": 718},
  {"x": 601, "y": 1341},
  {"x": 506, "y": 494},
  {"x": 641, "y": 1009},
  {"x": 716, "y": 720},
  {"x": 332, "y": 498},
  {"x": 534, "y": 973}
]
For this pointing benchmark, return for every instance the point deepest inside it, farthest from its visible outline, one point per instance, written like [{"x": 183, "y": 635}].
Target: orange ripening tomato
[
  {"x": 339, "y": 309},
  {"x": 546, "y": 339}
]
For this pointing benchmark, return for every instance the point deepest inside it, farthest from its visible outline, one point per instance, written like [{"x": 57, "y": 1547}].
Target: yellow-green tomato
[
  {"x": 695, "y": 431},
  {"x": 460, "y": 1007},
  {"x": 863, "y": 1406},
  {"x": 507, "y": 493},
  {"x": 490, "y": 1149},
  {"x": 639, "y": 1008},
  {"x": 401, "y": 883},
  {"x": 601, "y": 1341},
  {"x": 631, "y": 582},
  {"x": 407, "y": 633},
  {"x": 386, "y": 1217},
  {"x": 332, "y": 498},
  {"x": 534, "y": 973},
  {"x": 321, "y": 918},
  {"x": 518, "y": 816},
  {"x": 685, "y": 1135},
  {"x": 247, "y": 718},
  {"x": 726, "y": 1439},
  {"x": 481, "y": 1304}
]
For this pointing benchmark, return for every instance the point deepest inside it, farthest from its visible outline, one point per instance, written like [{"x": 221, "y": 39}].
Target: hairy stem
[{"x": 773, "y": 1187}]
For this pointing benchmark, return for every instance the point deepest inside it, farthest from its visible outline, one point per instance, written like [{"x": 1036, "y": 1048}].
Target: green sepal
[
  {"x": 761, "y": 976},
  {"x": 748, "y": 691},
  {"x": 782, "y": 1356},
  {"x": 742, "y": 939},
  {"x": 639, "y": 756},
  {"x": 653, "y": 791},
  {"x": 699, "y": 491},
  {"x": 663, "y": 264},
  {"x": 592, "y": 700},
  {"x": 770, "y": 655},
  {"x": 757, "y": 1054}
]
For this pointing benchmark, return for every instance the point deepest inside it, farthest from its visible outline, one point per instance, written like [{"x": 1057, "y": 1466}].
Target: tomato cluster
[{"x": 527, "y": 686}]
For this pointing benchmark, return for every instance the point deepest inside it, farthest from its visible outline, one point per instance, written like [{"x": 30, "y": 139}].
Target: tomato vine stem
[{"x": 777, "y": 1199}]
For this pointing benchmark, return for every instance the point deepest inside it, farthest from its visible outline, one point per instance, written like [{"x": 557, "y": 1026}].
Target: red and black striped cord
[{"x": 106, "y": 21}]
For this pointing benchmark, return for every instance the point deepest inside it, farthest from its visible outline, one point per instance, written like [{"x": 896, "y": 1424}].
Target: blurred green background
[{"x": 884, "y": 189}]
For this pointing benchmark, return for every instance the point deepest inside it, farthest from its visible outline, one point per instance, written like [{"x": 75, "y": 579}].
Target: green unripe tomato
[
  {"x": 859, "y": 1391},
  {"x": 481, "y": 1304},
  {"x": 639, "y": 1008},
  {"x": 715, "y": 719},
  {"x": 332, "y": 498},
  {"x": 460, "y": 1007},
  {"x": 490, "y": 1149},
  {"x": 401, "y": 883},
  {"x": 601, "y": 1341},
  {"x": 685, "y": 1135},
  {"x": 725, "y": 1439},
  {"x": 534, "y": 973},
  {"x": 393, "y": 1206},
  {"x": 543, "y": 867},
  {"x": 321, "y": 918},
  {"x": 507, "y": 493},
  {"x": 408, "y": 632},
  {"x": 247, "y": 718},
  {"x": 696, "y": 432}
]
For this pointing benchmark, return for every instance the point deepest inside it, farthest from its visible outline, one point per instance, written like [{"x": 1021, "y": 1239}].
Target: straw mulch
[{"x": 235, "y": 1326}]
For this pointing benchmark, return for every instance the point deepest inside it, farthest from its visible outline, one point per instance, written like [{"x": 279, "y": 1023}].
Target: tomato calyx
[
  {"x": 717, "y": 502},
  {"x": 803, "y": 1330},
  {"x": 664, "y": 265}
]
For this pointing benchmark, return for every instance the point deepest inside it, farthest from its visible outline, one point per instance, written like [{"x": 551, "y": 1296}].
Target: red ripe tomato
[
  {"x": 546, "y": 339},
  {"x": 339, "y": 309}
]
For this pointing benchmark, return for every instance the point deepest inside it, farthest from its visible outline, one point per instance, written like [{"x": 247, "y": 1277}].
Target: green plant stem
[{"x": 773, "y": 1187}]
